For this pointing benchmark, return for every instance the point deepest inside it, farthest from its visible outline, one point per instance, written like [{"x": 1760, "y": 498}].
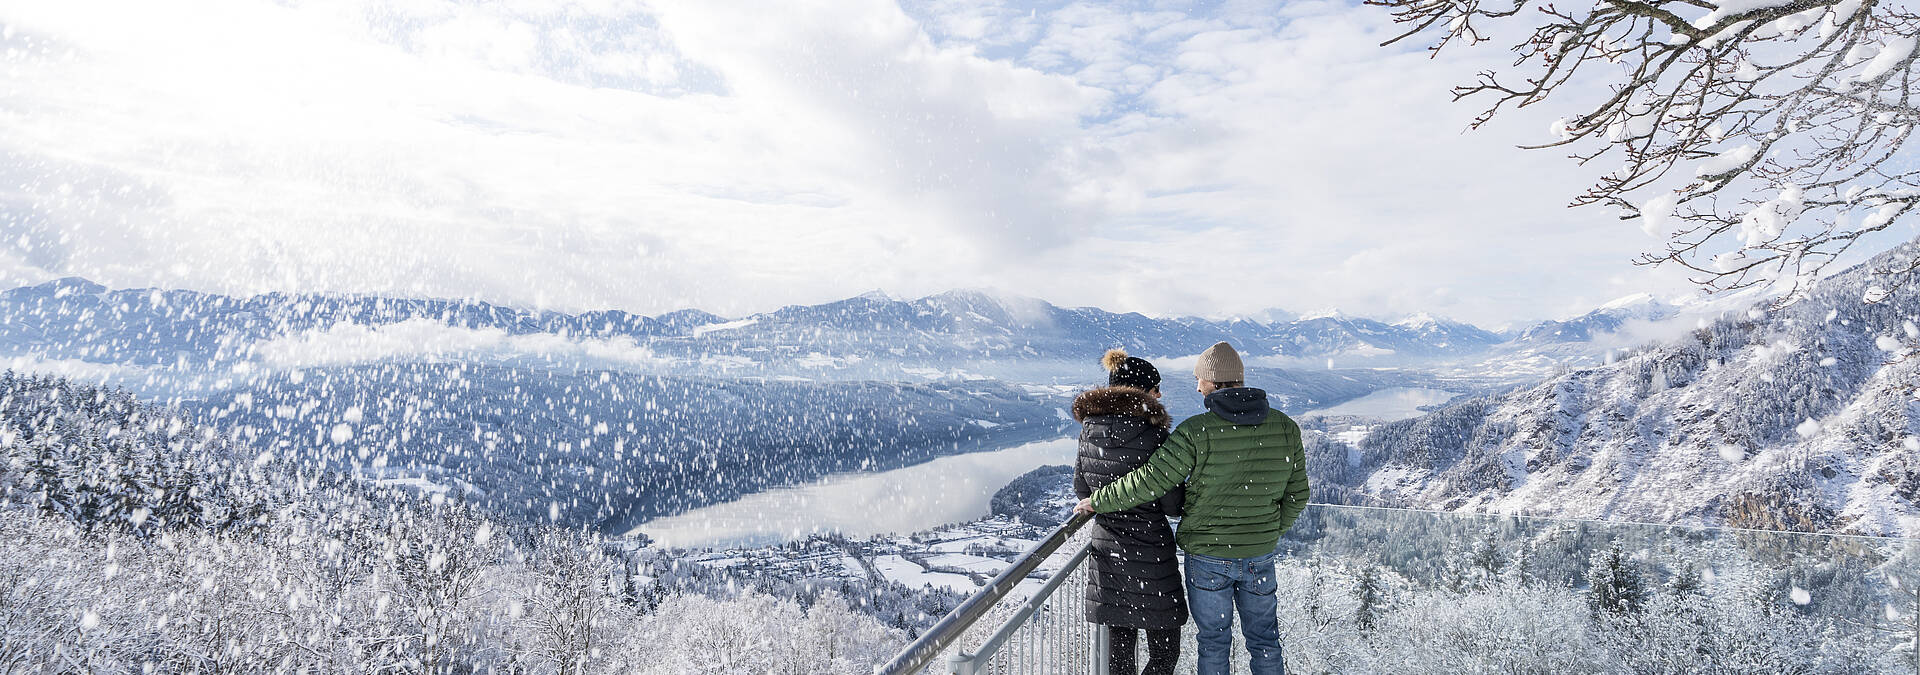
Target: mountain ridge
[
  {"x": 960, "y": 323},
  {"x": 1802, "y": 419}
]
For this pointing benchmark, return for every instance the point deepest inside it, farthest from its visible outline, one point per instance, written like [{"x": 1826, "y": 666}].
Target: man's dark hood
[{"x": 1239, "y": 405}]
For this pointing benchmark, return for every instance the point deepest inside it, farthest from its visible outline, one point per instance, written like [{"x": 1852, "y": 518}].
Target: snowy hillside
[
  {"x": 138, "y": 542},
  {"x": 1803, "y": 419}
]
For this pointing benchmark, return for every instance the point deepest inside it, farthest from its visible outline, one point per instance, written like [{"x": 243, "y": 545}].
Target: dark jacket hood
[
  {"x": 1239, "y": 405},
  {"x": 1123, "y": 402}
]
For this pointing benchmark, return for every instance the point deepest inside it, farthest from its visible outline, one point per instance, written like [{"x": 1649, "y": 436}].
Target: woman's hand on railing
[{"x": 1085, "y": 506}]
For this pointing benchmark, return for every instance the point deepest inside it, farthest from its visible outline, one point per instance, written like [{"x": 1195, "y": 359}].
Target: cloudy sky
[{"x": 1170, "y": 158}]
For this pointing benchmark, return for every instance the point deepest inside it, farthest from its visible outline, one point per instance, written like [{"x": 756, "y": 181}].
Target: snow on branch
[{"x": 1758, "y": 139}]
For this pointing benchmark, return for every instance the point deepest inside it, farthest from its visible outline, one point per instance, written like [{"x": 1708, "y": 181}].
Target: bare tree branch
[{"x": 1759, "y": 142}]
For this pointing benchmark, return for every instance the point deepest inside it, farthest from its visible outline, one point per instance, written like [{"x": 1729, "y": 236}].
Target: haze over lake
[
  {"x": 946, "y": 490},
  {"x": 1389, "y": 404}
]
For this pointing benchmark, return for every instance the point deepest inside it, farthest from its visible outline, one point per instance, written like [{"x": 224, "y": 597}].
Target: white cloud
[
  {"x": 740, "y": 156},
  {"x": 84, "y": 371},
  {"x": 426, "y": 339}
]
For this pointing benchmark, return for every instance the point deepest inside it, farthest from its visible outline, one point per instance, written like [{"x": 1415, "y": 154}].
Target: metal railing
[
  {"x": 1041, "y": 630},
  {"x": 1048, "y": 633}
]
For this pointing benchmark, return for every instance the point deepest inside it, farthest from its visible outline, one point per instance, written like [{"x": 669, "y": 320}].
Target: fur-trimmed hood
[{"x": 1123, "y": 401}]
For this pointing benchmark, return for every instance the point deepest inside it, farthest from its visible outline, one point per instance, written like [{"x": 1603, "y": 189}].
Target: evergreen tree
[
  {"x": 1521, "y": 572},
  {"x": 1615, "y": 583},
  {"x": 1371, "y": 592},
  {"x": 1686, "y": 581},
  {"x": 1486, "y": 558}
]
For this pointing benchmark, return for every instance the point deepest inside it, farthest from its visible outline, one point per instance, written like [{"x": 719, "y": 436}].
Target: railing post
[
  {"x": 962, "y": 663},
  {"x": 1100, "y": 649}
]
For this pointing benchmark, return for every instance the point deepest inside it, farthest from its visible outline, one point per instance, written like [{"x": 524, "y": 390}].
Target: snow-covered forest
[{"x": 137, "y": 541}]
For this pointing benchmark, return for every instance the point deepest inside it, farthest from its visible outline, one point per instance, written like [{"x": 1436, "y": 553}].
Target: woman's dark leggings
[{"x": 1163, "y": 651}]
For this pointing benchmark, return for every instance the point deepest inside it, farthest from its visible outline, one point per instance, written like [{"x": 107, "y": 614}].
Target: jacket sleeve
[
  {"x": 1167, "y": 467},
  {"x": 1080, "y": 478},
  {"x": 1295, "y": 499}
]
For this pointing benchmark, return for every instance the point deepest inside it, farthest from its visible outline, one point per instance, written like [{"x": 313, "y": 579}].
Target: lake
[
  {"x": 1390, "y": 404},
  {"x": 946, "y": 490}
]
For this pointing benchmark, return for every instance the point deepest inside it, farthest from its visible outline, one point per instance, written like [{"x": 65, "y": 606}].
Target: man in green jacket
[{"x": 1246, "y": 476}]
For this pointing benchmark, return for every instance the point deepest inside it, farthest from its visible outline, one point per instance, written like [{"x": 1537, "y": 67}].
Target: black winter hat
[{"x": 1130, "y": 371}]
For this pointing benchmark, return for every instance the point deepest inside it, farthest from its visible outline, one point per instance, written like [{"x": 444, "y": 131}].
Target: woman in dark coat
[{"x": 1133, "y": 579}]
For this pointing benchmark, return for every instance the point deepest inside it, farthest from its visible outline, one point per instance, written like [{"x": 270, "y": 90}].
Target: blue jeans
[{"x": 1218, "y": 586}]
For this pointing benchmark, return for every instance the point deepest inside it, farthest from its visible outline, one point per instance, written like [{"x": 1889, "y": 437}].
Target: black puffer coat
[{"x": 1133, "y": 578}]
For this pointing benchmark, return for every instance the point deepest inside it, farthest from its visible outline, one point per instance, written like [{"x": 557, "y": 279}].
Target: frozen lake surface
[
  {"x": 1390, "y": 404},
  {"x": 920, "y": 497}
]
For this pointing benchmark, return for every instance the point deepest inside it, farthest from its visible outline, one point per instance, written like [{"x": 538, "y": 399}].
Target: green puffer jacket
[{"x": 1246, "y": 475}]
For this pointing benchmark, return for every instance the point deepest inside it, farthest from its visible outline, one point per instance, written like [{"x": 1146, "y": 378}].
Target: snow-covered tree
[
  {"x": 1759, "y": 139},
  {"x": 1615, "y": 582},
  {"x": 1370, "y": 592}
]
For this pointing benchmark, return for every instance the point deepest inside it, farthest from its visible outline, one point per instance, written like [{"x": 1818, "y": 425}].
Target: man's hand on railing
[{"x": 1085, "y": 506}]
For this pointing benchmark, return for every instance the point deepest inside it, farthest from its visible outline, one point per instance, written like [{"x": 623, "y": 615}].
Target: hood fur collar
[{"x": 1124, "y": 401}]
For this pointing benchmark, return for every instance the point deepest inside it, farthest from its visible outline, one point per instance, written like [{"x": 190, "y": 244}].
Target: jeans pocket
[
  {"x": 1260, "y": 580},
  {"x": 1206, "y": 575}
]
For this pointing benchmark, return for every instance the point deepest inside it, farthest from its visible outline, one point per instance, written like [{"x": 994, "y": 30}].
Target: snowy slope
[{"x": 1798, "y": 419}]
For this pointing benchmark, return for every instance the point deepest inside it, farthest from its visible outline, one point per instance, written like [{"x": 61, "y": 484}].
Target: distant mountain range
[{"x": 80, "y": 320}]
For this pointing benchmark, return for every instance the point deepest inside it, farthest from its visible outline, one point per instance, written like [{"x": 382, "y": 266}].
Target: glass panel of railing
[
  {"x": 1054, "y": 638},
  {"x": 1381, "y": 590}
]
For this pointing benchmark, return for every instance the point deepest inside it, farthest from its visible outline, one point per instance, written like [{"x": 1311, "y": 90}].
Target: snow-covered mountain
[
  {"x": 1608, "y": 318},
  {"x": 971, "y": 324},
  {"x": 1804, "y": 418},
  {"x": 865, "y": 336}
]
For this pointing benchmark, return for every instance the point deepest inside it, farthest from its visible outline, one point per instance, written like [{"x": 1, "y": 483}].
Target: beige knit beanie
[{"x": 1220, "y": 364}]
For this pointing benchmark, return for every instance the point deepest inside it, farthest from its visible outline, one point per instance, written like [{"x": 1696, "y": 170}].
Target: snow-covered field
[{"x": 897, "y": 568}]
